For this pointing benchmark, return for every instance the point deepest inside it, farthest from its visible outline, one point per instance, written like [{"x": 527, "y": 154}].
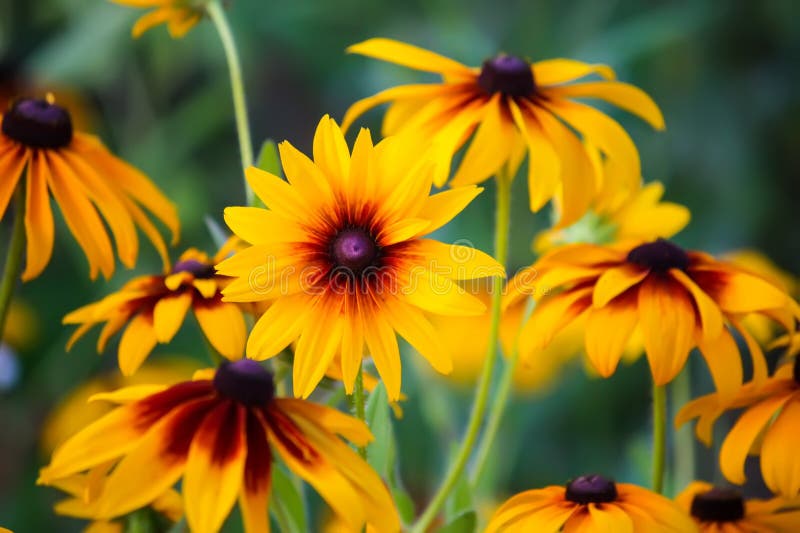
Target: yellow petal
[
  {"x": 408, "y": 55},
  {"x": 454, "y": 261},
  {"x": 622, "y": 95},
  {"x": 724, "y": 362},
  {"x": 412, "y": 325},
  {"x": 554, "y": 71},
  {"x": 331, "y": 153},
  {"x": 608, "y": 330},
  {"x": 136, "y": 343},
  {"x": 779, "y": 462},
  {"x": 261, "y": 226},
  {"x": 438, "y": 294},
  {"x": 710, "y": 315},
  {"x": 442, "y": 207},
  {"x": 151, "y": 19},
  {"x": 224, "y": 327},
  {"x": 168, "y": 315},
  {"x": 615, "y": 281},
  {"x": 382, "y": 346},
  {"x": 278, "y": 326},
  {"x": 39, "y": 228},
  {"x": 317, "y": 345},
  {"x": 331, "y": 419}
]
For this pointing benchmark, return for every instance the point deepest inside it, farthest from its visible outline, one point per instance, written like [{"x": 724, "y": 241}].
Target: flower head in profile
[
  {"x": 618, "y": 212},
  {"x": 340, "y": 254},
  {"x": 153, "y": 308},
  {"x": 218, "y": 434},
  {"x": 767, "y": 427},
  {"x": 724, "y": 510},
  {"x": 514, "y": 108},
  {"x": 42, "y": 154},
  {"x": 674, "y": 300},
  {"x": 589, "y": 504},
  {"x": 180, "y": 16}
]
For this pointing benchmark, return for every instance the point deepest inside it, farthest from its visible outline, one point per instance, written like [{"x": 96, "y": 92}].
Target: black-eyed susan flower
[
  {"x": 618, "y": 212},
  {"x": 40, "y": 151},
  {"x": 83, "y": 489},
  {"x": 339, "y": 253},
  {"x": 154, "y": 308},
  {"x": 513, "y": 107},
  {"x": 767, "y": 427},
  {"x": 219, "y": 434},
  {"x": 674, "y": 300},
  {"x": 590, "y": 504},
  {"x": 724, "y": 510},
  {"x": 180, "y": 16}
]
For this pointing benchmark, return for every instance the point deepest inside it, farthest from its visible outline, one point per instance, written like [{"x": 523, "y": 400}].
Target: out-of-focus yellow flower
[
  {"x": 724, "y": 510},
  {"x": 590, "y": 504},
  {"x": 676, "y": 300},
  {"x": 341, "y": 254},
  {"x": 219, "y": 434},
  {"x": 514, "y": 108},
  {"x": 75, "y": 411},
  {"x": 619, "y": 212},
  {"x": 40, "y": 151},
  {"x": 180, "y": 16},
  {"x": 767, "y": 427},
  {"x": 22, "y": 325},
  {"x": 155, "y": 307}
]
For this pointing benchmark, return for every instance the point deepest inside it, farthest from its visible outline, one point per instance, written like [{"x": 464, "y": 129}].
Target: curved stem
[
  {"x": 217, "y": 16},
  {"x": 16, "y": 249},
  {"x": 495, "y": 417},
  {"x": 503, "y": 214},
  {"x": 358, "y": 405},
  {"x": 659, "y": 436}
]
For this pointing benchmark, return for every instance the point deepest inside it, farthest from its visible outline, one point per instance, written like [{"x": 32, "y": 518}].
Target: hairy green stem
[
  {"x": 217, "y": 16},
  {"x": 659, "y": 436},
  {"x": 16, "y": 249},
  {"x": 503, "y": 220}
]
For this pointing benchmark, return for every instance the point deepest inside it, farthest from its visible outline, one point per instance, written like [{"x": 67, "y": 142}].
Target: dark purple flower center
[
  {"x": 353, "y": 250},
  {"x": 38, "y": 123},
  {"x": 509, "y": 75},
  {"x": 199, "y": 269},
  {"x": 718, "y": 505},
  {"x": 660, "y": 255},
  {"x": 245, "y": 381},
  {"x": 591, "y": 489}
]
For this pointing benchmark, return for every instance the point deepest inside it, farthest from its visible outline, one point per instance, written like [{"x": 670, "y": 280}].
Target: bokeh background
[{"x": 724, "y": 73}]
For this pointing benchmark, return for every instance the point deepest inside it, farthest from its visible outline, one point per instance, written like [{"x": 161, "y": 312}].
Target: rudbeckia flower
[
  {"x": 724, "y": 510},
  {"x": 219, "y": 434},
  {"x": 672, "y": 299},
  {"x": 513, "y": 107},
  {"x": 180, "y": 16},
  {"x": 154, "y": 307},
  {"x": 40, "y": 151},
  {"x": 84, "y": 488},
  {"x": 589, "y": 504},
  {"x": 339, "y": 253},
  {"x": 767, "y": 427}
]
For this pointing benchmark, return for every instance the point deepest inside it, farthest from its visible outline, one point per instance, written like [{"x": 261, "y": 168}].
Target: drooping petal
[
  {"x": 168, "y": 315},
  {"x": 555, "y": 71},
  {"x": 317, "y": 345},
  {"x": 224, "y": 327},
  {"x": 724, "y": 362},
  {"x": 278, "y": 326},
  {"x": 257, "y": 476},
  {"x": 549, "y": 317},
  {"x": 331, "y": 419},
  {"x": 39, "y": 227},
  {"x": 136, "y": 343},
  {"x": 615, "y": 281},
  {"x": 710, "y": 315},
  {"x": 382, "y": 345},
  {"x": 408, "y": 55},
  {"x": 608, "y": 330},
  {"x": 779, "y": 463}
]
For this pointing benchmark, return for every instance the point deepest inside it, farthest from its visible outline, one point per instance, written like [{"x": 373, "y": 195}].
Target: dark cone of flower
[
  {"x": 591, "y": 489},
  {"x": 354, "y": 250},
  {"x": 38, "y": 124},
  {"x": 197, "y": 268},
  {"x": 718, "y": 505},
  {"x": 509, "y": 75},
  {"x": 660, "y": 255},
  {"x": 246, "y": 382}
]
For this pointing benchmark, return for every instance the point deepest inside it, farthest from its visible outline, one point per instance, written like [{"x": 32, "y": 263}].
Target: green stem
[
  {"x": 499, "y": 404},
  {"x": 684, "y": 456},
  {"x": 659, "y": 436},
  {"x": 16, "y": 250},
  {"x": 503, "y": 220},
  {"x": 217, "y": 16},
  {"x": 358, "y": 404}
]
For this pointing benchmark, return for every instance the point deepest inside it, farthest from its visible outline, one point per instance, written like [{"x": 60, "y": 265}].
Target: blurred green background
[{"x": 724, "y": 73}]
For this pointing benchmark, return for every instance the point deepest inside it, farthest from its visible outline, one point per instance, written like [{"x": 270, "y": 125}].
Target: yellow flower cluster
[{"x": 336, "y": 260}]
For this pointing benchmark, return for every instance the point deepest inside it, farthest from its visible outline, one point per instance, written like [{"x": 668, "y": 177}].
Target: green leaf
[
  {"x": 381, "y": 451},
  {"x": 404, "y": 504},
  {"x": 268, "y": 158},
  {"x": 464, "y": 523},
  {"x": 460, "y": 500},
  {"x": 287, "y": 503}
]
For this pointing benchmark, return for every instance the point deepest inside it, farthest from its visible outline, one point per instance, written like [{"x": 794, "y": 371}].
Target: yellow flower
[
  {"x": 180, "y": 16},
  {"x": 74, "y": 411},
  {"x": 83, "y": 490},
  {"x": 22, "y": 325},
  {"x": 590, "y": 504},
  {"x": 40, "y": 151},
  {"x": 154, "y": 307},
  {"x": 619, "y": 213},
  {"x": 767, "y": 427},
  {"x": 514, "y": 107},
  {"x": 219, "y": 433},
  {"x": 676, "y": 300},
  {"x": 723, "y": 510},
  {"x": 339, "y": 252}
]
